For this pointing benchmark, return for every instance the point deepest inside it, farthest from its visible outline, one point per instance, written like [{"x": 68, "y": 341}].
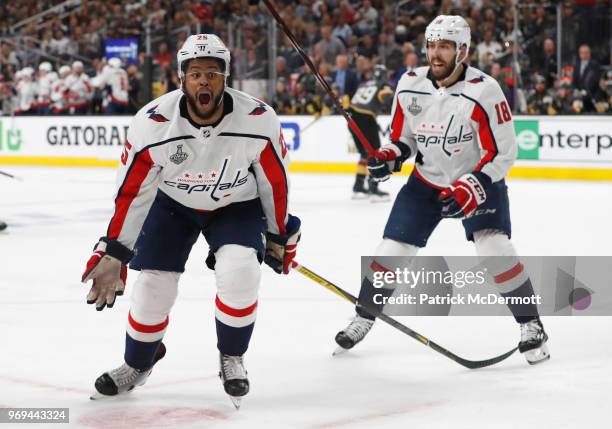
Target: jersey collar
[{"x": 228, "y": 107}]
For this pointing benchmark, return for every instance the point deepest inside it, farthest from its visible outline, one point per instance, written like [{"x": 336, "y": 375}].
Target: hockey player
[
  {"x": 371, "y": 98},
  {"x": 116, "y": 79},
  {"x": 456, "y": 121},
  {"x": 203, "y": 159},
  {"x": 59, "y": 92},
  {"x": 46, "y": 77},
  {"x": 80, "y": 91},
  {"x": 26, "y": 92}
]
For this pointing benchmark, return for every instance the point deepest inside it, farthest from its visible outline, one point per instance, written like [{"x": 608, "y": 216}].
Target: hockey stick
[
  {"x": 10, "y": 176},
  {"x": 471, "y": 364},
  {"x": 310, "y": 124},
  {"x": 352, "y": 125}
]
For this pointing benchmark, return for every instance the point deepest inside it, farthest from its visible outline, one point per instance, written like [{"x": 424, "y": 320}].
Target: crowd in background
[{"x": 345, "y": 39}]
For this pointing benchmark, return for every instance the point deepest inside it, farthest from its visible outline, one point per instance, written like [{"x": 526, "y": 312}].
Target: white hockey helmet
[
  {"x": 449, "y": 27},
  {"x": 115, "y": 62},
  {"x": 27, "y": 72},
  {"x": 45, "y": 66},
  {"x": 64, "y": 70},
  {"x": 203, "y": 46},
  {"x": 77, "y": 65}
]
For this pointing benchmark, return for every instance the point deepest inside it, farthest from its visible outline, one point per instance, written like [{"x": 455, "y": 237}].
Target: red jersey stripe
[
  {"x": 235, "y": 312},
  {"x": 136, "y": 174},
  {"x": 147, "y": 329},
  {"x": 487, "y": 140},
  {"x": 398, "y": 122},
  {"x": 275, "y": 173}
]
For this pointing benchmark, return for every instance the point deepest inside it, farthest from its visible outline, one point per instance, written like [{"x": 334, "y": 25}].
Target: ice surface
[{"x": 53, "y": 345}]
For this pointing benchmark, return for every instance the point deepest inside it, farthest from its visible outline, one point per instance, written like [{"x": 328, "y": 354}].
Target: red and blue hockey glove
[
  {"x": 461, "y": 199},
  {"x": 281, "y": 249},
  {"x": 107, "y": 267},
  {"x": 386, "y": 160}
]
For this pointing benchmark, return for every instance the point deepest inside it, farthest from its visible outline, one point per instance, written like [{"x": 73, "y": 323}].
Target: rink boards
[{"x": 567, "y": 147}]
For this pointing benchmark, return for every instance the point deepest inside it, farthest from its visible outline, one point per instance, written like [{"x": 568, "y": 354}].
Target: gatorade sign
[{"x": 564, "y": 138}]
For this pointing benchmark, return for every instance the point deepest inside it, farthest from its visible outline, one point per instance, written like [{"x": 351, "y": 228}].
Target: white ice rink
[{"x": 53, "y": 345}]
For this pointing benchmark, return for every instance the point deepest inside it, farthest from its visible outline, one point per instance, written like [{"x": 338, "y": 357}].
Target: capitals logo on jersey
[
  {"x": 155, "y": 115},
  {"x": 259, "y": 110},
  {"x": 212, "y": 182}
]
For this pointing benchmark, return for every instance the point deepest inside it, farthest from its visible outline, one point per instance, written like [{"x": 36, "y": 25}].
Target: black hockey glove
[
  {"x": 281, "y": 249},
  {"x": 388, "y": 159}
]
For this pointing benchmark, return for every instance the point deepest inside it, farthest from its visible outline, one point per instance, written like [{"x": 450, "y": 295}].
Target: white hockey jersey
[
  {"x": 241, "y": 158},
  {"x": 79, "y": 90},
  {"x": 44, "y": 88},
  {"x": 117, "y": 80},
  {"x": 464, "y": 128},
  {"x": 26, "y": 95}
]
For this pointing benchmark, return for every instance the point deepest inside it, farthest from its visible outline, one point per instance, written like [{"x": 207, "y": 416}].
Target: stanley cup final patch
[
  {"x": 179, "y": 156},
  {"x": 414, "y": 108}
]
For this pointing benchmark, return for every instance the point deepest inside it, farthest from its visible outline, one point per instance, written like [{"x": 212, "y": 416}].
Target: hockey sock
[
  {"x": 233, "y": 341},
  {"x": 139, "y": 354}
]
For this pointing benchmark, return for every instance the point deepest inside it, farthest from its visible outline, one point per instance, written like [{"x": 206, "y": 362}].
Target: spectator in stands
[
  {"x": 134, "y": 77},
  {"x": 565, "y": 100},
  {"x": 367, "y": 19},
  {"x": 283, "y": 100},
  {"x": 587, "y": 73},
  {"x": 330, "y": 46},
  {"x": 547, "y": 62},
  {"x": 388, "y": 51},
  {"x": 281, "y": 68},
  {"x": 366, "y": 47},
  {"x": 603, "y": 95},
  {"x": 163, "y": 57},
  {"x": 341, "y": 29},
  {"x": 345, "y": 78},
  {"x": 488, "y": 50},
  {"x": 538, "y": 98},
  {"x": 59, "y": 44},
  {"x": 255, "y": 68}
]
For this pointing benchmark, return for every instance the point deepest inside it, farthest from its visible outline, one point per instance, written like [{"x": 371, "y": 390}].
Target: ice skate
[
  {"x": 353, "y": 333},
  {"x": 376, "y": 195},
  {"x": 234, "y": 378},
  {"x": 533, "y": 342},
  {"x": 2, "y": 225},
  {"x": 360, "y": 192},
  {"x": 124, "y": 379}
]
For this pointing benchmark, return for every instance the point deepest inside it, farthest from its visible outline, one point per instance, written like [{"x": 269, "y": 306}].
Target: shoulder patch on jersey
[
  {"x": 155, "y": 115},
  {"x": 477, "y": 79},
  {"x": 259, "y": 109}
]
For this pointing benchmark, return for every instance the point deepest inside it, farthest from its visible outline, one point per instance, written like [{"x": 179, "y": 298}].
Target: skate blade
[
  {"x": 237, "y": 401},
  {"x": 359, "y": 196},
  {"x": 377, "y": 199},
  {"x": 536, "y": 356}
]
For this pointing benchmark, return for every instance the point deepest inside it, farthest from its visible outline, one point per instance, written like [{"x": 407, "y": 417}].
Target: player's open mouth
[{"x": 204, "y": 98}]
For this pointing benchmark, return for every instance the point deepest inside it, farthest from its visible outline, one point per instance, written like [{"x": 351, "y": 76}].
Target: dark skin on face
[
  {"x": 204, "y": 84},
  {"x": 441, "y": 58}
]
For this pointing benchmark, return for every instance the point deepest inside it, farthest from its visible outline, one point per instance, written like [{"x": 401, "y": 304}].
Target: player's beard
[
  {"x": 445, "y": 71},
  {"x": 201, "y": 112}
]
